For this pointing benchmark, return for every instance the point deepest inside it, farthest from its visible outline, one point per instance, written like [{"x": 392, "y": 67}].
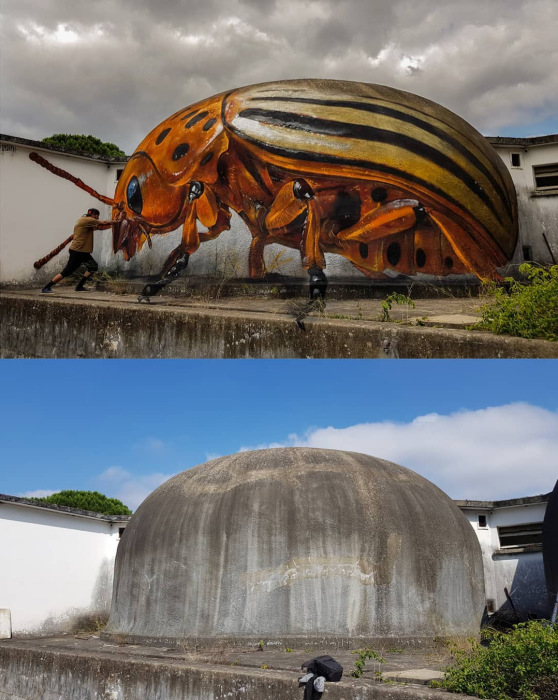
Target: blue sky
[{"x": 476, "y": 428}]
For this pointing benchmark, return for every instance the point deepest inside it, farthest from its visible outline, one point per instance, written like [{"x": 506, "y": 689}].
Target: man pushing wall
[{"x": 81, "y": 249}]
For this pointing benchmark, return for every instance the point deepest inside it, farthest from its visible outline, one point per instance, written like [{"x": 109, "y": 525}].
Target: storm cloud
[{"x": 115, "y": 69}]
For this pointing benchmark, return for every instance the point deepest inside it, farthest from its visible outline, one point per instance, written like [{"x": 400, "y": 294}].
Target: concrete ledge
[
  {"x": 51, "y": 670},
  {"x": 110, "y": 326}
]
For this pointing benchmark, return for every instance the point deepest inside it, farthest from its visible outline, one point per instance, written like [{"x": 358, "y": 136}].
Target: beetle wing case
[{"x": 374, "y": 132}]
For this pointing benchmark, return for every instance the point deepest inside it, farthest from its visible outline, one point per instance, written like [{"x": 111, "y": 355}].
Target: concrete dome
[{"x": 297, "y": 544}]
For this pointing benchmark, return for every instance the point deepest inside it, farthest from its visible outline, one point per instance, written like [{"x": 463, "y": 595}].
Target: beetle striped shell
[
  {"x": 379, "y": 133},
  {"x": 245, "y": 144}
]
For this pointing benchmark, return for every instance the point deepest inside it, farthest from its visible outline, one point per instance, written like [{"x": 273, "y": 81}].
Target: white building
[
  {"x": 38, "y": 211},
  {"x": 533, "y": 164},
  {"x": 56, "y": 565},
  {"x": 510, "y": 535}
]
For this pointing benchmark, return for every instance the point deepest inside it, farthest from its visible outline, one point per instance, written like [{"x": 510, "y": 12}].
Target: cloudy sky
[
  {"x": 478, "y": 430},
  {"x": 116, "y": 68}
]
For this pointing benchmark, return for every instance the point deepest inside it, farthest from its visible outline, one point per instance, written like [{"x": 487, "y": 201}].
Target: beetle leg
[
  {"x": 294, "y": 200},
  {"x": 177, "y": 261},
  {"x": 260, "y": 239},
  {"x": 222, "y": 224},
  {"x": 468, "y": 251},
  {"x": 384, "y": 220}
]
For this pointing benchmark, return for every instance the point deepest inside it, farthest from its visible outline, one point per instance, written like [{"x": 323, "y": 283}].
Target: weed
[
  {"x": 360, "y": 663},
  {"x": 526, "y": 310},
  {"x": 261, "y": 645},
  {"x": 277, "y": 262},
  {"x": 394, "y": 298},
  {"x": 90, "y": 624},
  {"x": 515, "y": 664},
  {"x": 288, "y": 650}
]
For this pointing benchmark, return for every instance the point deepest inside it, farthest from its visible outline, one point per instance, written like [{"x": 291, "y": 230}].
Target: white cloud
[
  {"x": 489, "y": 454},
  {"x": 38, "y": 493},
  {"x": 130, "y": 488}
]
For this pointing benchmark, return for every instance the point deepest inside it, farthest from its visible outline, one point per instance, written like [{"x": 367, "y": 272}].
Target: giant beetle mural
[{"x": 391, "y": 181}]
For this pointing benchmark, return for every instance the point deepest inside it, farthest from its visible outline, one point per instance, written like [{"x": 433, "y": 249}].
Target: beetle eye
[{"x": 133, "y": 194}]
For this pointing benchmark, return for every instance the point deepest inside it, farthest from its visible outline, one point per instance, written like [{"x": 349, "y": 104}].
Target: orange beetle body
[{"x": 391, "y": 181}]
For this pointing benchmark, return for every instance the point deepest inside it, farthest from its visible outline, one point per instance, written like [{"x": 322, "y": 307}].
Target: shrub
[
  {"x": 524, "y": 310},
  {"x": 80, "y": 143},
  {"x": 87, "y": 500},
  {"x": 521, "y": 663}
]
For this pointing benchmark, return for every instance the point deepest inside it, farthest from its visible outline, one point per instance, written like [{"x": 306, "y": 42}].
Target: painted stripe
[
  {"x": 370, "y": 134},
  {"x": 421, "y": 123},
  {"x": 293, "y": 155}
]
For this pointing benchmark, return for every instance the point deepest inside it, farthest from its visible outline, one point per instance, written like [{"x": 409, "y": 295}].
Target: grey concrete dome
[{"x": 297, "y": 544}]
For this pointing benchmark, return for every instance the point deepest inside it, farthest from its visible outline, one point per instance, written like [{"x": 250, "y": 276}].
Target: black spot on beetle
[
  {"x": 205, "y": 160},
  {"x": 162, "y": 136},
  {"x": 379, "y": 194},
  {"x": 196, "y": 119},
  {"x": 208, "y": 124},
  {"x": 180, "y": 151},
  {"x": 394, "y": 253},
  {"x": 346, "y": 209},
  {"x": 188, "y": 116},
  {"x": 363, "y": 250},
  {"x": 420, "y": 257},
  {"x": 448, "y": 262}
]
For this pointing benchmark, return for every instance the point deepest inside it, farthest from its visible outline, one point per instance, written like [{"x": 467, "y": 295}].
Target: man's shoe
[
  {"x": 46, "y": 290},
  {"x": 81, "y": 289}
]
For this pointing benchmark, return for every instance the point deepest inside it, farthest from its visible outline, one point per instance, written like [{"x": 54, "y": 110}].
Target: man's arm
[{"x": 104, "y": 224}]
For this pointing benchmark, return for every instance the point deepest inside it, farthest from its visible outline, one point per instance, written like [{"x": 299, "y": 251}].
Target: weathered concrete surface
[
  {"x": 295, "y": 543},
  {"x": 67, "y": 668},
  {"x": 104, "y": 325}
]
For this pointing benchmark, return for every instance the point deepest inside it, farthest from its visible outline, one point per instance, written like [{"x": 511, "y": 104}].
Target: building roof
[
  {"x": 525, "y": 141},
  {"x": 30, "y": 503},
  {"x": 47, "y": 147},
  {"x": 507, "y": 503}
]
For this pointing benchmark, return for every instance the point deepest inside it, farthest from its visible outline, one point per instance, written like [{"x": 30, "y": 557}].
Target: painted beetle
[{"x": 387, "y": 179}]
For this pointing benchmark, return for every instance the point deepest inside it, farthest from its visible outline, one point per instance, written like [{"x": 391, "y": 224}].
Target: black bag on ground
[{"x": 325, "y": 666}]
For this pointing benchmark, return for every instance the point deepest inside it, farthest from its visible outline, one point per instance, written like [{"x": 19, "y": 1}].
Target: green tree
[
  {"x": 87, "y": 500},
  {"x": 89, "y": 145}
]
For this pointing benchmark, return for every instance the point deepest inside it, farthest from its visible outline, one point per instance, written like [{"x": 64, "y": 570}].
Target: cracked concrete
[
  {"x": 80, "y": 667},
  {"x": 101, "y": 324}
]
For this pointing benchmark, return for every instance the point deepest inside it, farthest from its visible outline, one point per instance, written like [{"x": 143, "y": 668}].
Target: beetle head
[{"x": 153, "y": 192}]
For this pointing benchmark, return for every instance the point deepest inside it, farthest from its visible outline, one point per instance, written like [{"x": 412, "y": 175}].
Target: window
[
  {"x": 525, "y": 535},
  {"x": 120, "y": 532},
  {"x": 516, "y": 160},
  {"x": 527, "y": 252},
  {"x": 119, "y": 173},
  {"x": 482, "y": 520},
  {"x": 546, "y": 176}
]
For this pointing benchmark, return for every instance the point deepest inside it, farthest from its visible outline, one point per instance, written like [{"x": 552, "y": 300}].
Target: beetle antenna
[{"x": 67, "y": 176}]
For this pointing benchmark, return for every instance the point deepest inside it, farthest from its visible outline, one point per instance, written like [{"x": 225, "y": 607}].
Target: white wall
[
  {"x": 537, "y": 211},
  {"x": 522, "y": 573},
  {"x": 55, "y": 567},
  {"x": 38, "y": 210}
]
